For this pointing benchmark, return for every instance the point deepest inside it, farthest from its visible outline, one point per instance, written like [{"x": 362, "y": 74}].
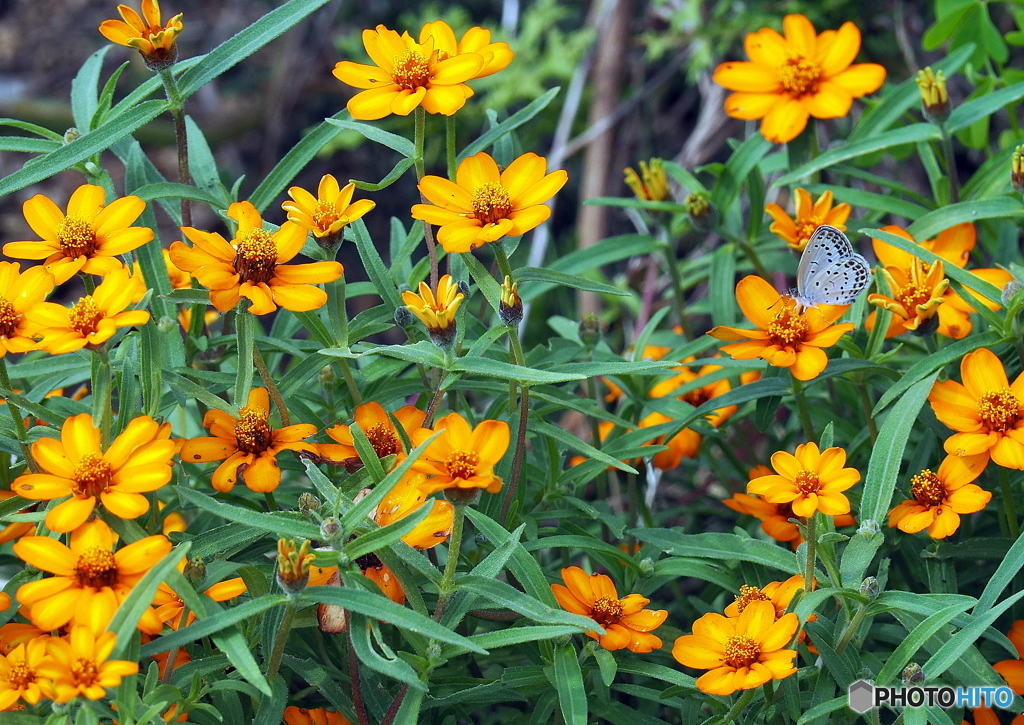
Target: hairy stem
[
  {"x": 282, "y": 636},
  {"x": 449, "y": 128},
  {"x": 454, "y": 544},
  {"x": 181, "y": 137},
  {"x": 419, "y": 130},
  {"x": 268, "y": 380},
  {"x": 812, "y": 540},
  {"x": 801, "y": 406}
]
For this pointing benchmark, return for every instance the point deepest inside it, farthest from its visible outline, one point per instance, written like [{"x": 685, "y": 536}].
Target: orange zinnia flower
[
  {"x": 89, "y": 239},
  {"x": 246, "y": 443},
  {"x": 20, "y": 676},
  {"x": 809, "y": 481},
  {"x": 939, "y": 498},
  {"x": 78, "y": 665},
  {"x": 378, "y": 428},
  {"x": 170, "y": 607},
  {"x": 787, "y": 338},
  {"x": 780, "y": 594},
  {"x": 775, "y": 517},
  {"x": 94, "y": 318},
  {"x": 626, "y": 623},
  {"x": 476, "y": 40},
  {"x": 741, "y": 652},
  {"x": 146, "y": 34},
  {"x": 809, "y": 216},
  {"x": 1013, "y": 670},
  {"x": 21, "y": 293},
  {"x": 986, "y": 411},
  {"x": 407, "y": 74},
  {"x": 436, "y": 311},
  {"x": 91, "y": 579},
  {"x": 327, "y": 213},
  {"x": 485, "y": 204},
  {"x": 462, "y": 457},
  {"x": 912, "y": 288},
  {"x": 301, "y": 716},
  {"x": 797, "y": 76},
  {"x": 138, "y": 461},
  {"x": 255, "y": 265}
]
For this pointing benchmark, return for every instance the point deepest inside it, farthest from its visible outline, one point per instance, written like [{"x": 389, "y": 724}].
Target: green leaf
[
  {"x": 915, "y": 640},
  {"x": 879, "y": 142},
  {"x": 964, "y": 115},
  {"x": 271, "y": 711},
  {"x": 957, "y": 645},
  {"x": 585, "y": 543},
  {"x": 607, "y": 251},
  {"x": 511, "y": 123},
  {"x": 393, "y": 141},
  {"x": 635, "y": 666},
  {"x": 378, "y": 539},
  {"x": 974, "y": 211},
  {"x": 190, "y": 390},
  {"x": 82, "y": 148},
  {"x": 517, "y": 635},
  {"x": 509, "y": 597},
  {"x": 522, "y": 564},
  {"x": 606, "y": 663},
  {"x": 26, "y": 145},
  {"x": 245, "y": 43},
  {"x": 278, "y": 523},
  {"x": 32, "y": 128},
  {"x": 722, "y": 547},
  {"x": 568, "y": 439},
  {"x": 878, "y": 202},
  {"x": 231, "y": 642},
  {"x": 739, "y": 165},
  {"x": 678, "y": 566},
  {"x": 85, "y": 90},
  {"x": 1004, "y": 574},
  {"x": 374, "y": 266},
  {"x": 127, "y": 617},
  {"x": 572, "y": 695},
  {"x": 170, "y": 190},
  {"x": 539, "y": 274},
  {"x": 245, "y": 328},
  {"x": 507, "y": 371},
  {"x": 721, "y": 282},
  {"x": 221, "y": 620}
]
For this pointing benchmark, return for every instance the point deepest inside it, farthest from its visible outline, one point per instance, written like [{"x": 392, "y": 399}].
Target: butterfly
[{"x": 830, "y": 272}]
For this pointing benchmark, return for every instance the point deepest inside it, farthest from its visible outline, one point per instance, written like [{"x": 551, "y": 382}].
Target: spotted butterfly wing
[
  {"x": 826, "y": 245},
  {"x": 830, "y": 272}
]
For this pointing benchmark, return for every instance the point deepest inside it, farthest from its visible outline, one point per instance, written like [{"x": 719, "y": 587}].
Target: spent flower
[{"x": 934, "y": 96}]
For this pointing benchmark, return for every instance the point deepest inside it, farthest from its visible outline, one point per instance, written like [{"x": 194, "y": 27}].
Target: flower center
[
  {"x": 383, "y": 440},
  {"x": 999, "y": 410},
  {"x": 411, "y": 71},
  {"x": 741, "y": 651},
  {"x": 76, "y": 237},
  {"x": 750, "y": 594},
  {"x": 20, "y": 676},
  {"x": 92, "y": 474},
  {"x": 325, "y": 214},
  {"x": 96, "y": 568},
  {"x": 799, "y": 75},
  {"x": 606, "y": 611},
  {"x": 9, "y": 318},
  {"x": 807, "y": 482},
  {"x": 927, "y": 489},
  {"x": 787, "y": 328},
  {"x": 913, "y": 295},
  {"x": 252, "y": 431},
  {"x": 805, "y": 228},
  {"x": 697, "y": 397},
  {"x": 256, "y": 256},
  {"x": 84, "y": 316},
  {"x": 462, "y": 464},
  {"x": 84, "y": 672},
  {"x": 491, "y": 202}
]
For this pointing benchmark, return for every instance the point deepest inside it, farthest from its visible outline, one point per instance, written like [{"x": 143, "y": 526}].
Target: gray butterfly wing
[
  {"x": 838, "y": 283},
  {"x": 826, "y": 246}
]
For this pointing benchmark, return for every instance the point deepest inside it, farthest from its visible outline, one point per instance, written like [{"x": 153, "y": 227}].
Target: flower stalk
[
  {"x": 19, "y": 422},
  {"x": 181, "y": 138},
  {"x": 1009, "y": 505},
  {"x": 802, "y": 409},
  {"x": 274, "y": 664},
  {"x": 810, "y": 524},
  {"x": 454, "y": 545},
  {"x": 419, "y": 132},
  {"x": 449, "y": 137}
]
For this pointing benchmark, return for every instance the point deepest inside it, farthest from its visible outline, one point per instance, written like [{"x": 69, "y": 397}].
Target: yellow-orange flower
[
  {"x": 180, "y": 279},
  {"x": 255, "y": 265},
  {"x": 940, "y": 497},
  {"x": 485, "y": 204},
  {"x": 954, "y": 246},
  {"x": 809, "y": 481},
  {"x": 462, "y": 457},
  {"x": 378, "y": 428},
  {"x": 170, "y": 607},
  {"x": 78, "y": 665},
  {"x": 780, "y": 594},
  {"x": 791, "y": 78},
  {"x": 917, "y": 294},
  {"x": 327, "y": 213},
  {"x": 147, "y": 33},
  {"x": 785, "y": 335},
  {"x": 94, "y": 318},
  {"x": 809, "y": 216},
  {"x": 88, "y": 239},
  {"x": 741, "y": 652},
  {"x": 407, "y": 74},
  {"x": 138, "y": 461},
  {"x": 1013, "y": 670},
  {"x": 247, "y": 443},
  {"x": 436, "y": 311},
  {"x": 21, "y": 293},
  {"x": 476, "y": 40},
  {"x": 319, "y": 716},
  {"x": 986, "y": 411},
  {"x": 626, "y": 623},
  {"x": 91, "y": 579},
  {"x": 19, "y": 674}
]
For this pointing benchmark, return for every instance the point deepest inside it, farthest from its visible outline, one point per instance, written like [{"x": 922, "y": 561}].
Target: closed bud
[
  {"x": 869, "y": 588},
  {"x": 72, "y": 134},
  {"x": 327, "y": 377},
  {"x": 590, "y": 329},
  {"x": 1010, "y": 290},
  {"x": 403, "y": 318},
  {"x": 647, "y": 566},
  {"x": 167, "y": 325},
  {"x": 1017, "y": 169},
  {"x": 436, "y": 309},
  {"x": 869, "y": 528},
  {"x": 934, "y": 97},
  {"x": 330, "y": 530},
  {"x": 464, "y": 287},
  {"x": 195, "y": 571},
  {"x": 309, "y": 505},
  {"x": 510, "y": 308},
  {"x": 480, "y": 539},
  {"x": 912, "y": 675},
  {"x": 702, "y": 212}
]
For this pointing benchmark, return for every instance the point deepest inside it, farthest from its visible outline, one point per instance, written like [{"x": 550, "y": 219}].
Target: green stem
[
  {"x": 801, "y": 406},
  {"x": 350, "y": 381},
  {"x": 454, "y": 545},
  {"x": 851, "y": 628},
  {"x": 1008, "y": 503},
  {"x": 101, "y": 390},
  {"x": 734, "y": 712},
  {"x": 268, "y": 380},
  {"x": 947, "y": 150},
  {"x": 90, "y": 283},
  {"x": 517, "y": 460},
  {"x": 282, "y": 636},
  {"x": 812, "y": 540},
  {"x": 268, "y": 496},
  {"x": 176, "y": 103},
  {"x": 419, "y": 130},
  {"x": 19, "y": 422},
  {"x": 753, "y": 258},
  {"x": 449, "y": 128},
  {"x": 865, "y": 402},
  {"x": 678, "y": 300}
]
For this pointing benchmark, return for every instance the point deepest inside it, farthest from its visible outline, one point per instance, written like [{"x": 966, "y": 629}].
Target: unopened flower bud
[
  {"x": 327, "y": 377},
  {"x": 480, "y": 539},
  {"x": 167, "y": 325},
  {"x": 195, "y": 570},
  {"x": 461, "y": 496},
  {"x": 309, "y": 505},
  {"x": 330, "y": 528},
  {"x": 1010, "y": 290},
  {"x": 463, "y": 287},
  {"x": 912, "y": 675},
  {"x": 1017, "y": 169},
  {"x": 72, "y": 134},
  {"x": 702, "y": 212},
  {"x": 590, "y": 329},
  {"x": 293, "y": 565},
  {"x": 869, "y": 588},
  {"x": 650, "y": 184},
  {"x": 934, "y": 97},
  {"x": 510, "y": 308},
  {"x": 436, "y": 310},
  {"x": 403, "y": 318},
  {"x": 647, "y": 566},
  {"x": 869, "y": 528}
]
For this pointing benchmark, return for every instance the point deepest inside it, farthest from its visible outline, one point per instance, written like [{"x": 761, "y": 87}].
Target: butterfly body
[{"x": 830, "y": 271}]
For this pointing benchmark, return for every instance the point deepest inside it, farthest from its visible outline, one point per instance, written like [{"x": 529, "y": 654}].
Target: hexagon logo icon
[{"x": 861, "y": 696}]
